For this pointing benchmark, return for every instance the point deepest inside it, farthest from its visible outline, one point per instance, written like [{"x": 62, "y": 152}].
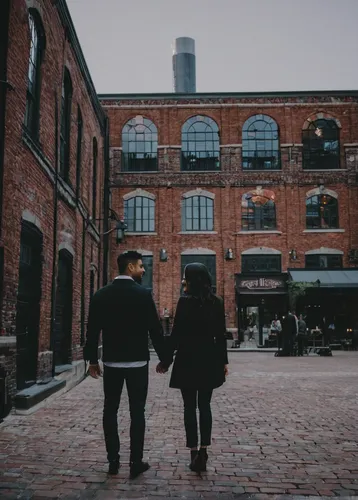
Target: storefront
[
  {"x": 259, "y": 300},
  {"x": 329, "y": 302}
]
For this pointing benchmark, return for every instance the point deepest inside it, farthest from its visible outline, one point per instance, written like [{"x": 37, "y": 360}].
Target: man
[
  {"x": 289, "y": 332},
  {"x": 302, "y": 336},
  {"x": 125, "y": 312}
]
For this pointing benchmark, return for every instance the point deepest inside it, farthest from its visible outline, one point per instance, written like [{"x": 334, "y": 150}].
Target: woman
[{"x": 200, "y": 365}]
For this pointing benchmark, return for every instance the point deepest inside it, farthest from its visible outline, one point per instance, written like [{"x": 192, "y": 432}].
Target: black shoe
[
  {"x": 137, "y": 468},
  {"x": 199, "y": 464},
  {"x": 193, "y": 455},
  {"x": 113, "y": 467}
]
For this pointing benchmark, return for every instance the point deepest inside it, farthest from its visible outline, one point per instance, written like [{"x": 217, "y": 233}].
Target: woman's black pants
[{"x": 200, "y": 398}]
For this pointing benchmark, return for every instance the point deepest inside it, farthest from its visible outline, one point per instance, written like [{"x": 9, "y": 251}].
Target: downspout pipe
[{"x": 106, "y": 207}]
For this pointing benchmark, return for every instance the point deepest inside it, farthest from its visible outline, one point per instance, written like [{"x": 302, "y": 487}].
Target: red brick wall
[
  {"x": 29, "y": 168},
  {"x": 289, "y": 185}
]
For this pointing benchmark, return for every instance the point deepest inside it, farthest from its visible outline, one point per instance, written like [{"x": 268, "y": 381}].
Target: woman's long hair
[{"x": 198, "y": 281}]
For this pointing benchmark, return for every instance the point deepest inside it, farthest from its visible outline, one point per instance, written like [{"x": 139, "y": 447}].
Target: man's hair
[{"x": 125, "y": 258}]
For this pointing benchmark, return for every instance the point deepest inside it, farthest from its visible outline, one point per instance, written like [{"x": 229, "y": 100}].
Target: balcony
[
  {"x": 139, "y": 162},
  {"x": 199, "y": 164}
]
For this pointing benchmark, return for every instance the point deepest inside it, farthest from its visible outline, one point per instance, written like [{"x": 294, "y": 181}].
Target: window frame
[
  {"x": 79, "y": 152},
  {"x": 254, "y": 215},
  {"x": 94, "y": 177},
  {"x": 249, "y": 269},
  {"x": 132, "y": 226},
  {"x": 189, "y": 205},
  {"x": 321, "y": 257},
  {"x": 33, "y": 92},
  {"x": 193, "y": 158},
  {"x": 250, "y": 157},
  {"x": 148, "y": 264},
  {"x": 314, "y": 154},
  {"x": 65, "y": 128},
  {"x": 139, "y": 160},
  {"x": 329, "y": 208}
]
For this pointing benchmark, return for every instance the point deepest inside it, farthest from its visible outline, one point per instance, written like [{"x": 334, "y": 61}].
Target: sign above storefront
[{"x": 260, "y": 283}]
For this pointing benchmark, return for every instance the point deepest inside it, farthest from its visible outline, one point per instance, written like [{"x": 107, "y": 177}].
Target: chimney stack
[{"x": 184, "y": 80}]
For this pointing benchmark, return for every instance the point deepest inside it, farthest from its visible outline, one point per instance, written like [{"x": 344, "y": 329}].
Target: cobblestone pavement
[{"x": 282, "y": 426}]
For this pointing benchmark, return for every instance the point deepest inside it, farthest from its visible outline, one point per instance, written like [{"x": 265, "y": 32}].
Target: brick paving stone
[{"x": 283, "y": 428}]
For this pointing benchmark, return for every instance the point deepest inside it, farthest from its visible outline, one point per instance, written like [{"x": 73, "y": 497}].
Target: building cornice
[{"x": 68, "y": 25}]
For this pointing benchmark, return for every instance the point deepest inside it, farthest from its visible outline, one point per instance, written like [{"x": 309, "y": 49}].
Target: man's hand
[
  {"x": 94, "y": 371},
  {"x": 226, "y": 370},
  {"x": 161, "y": 369}
]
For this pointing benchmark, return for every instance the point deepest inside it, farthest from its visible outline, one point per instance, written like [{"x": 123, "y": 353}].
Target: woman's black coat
[{"x": 198, "y": 336}]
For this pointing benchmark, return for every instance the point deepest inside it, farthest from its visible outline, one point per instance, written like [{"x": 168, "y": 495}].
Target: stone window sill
[
  {"x": 141, "y": 233},
  {"x": 198, "y": 232},
  {"x": 260, "y": 232},
  {"x": 324, "y": 231}
]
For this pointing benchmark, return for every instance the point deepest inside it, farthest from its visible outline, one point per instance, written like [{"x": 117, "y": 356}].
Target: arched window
[
  {"x": 198, "y": 214},
  {"x": 321, "y": 145},
  {"x": 200, "y": 144},
  {"x": 94, "y": 178},
  {"x": 139, "y": 214},
  {"x": 260, "y": 144},
  {"x": 139, "y": 145},
  {"x": 321, "y": 212},
  {"x": 79, "y": 152},
  {"x": 65, "y": 131},
  {"x": 258, "y": 212},
  {"x": 37, "y": 46}
]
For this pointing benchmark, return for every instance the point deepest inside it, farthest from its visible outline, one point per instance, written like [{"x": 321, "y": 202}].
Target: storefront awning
[{"x": 338, "y": 278}]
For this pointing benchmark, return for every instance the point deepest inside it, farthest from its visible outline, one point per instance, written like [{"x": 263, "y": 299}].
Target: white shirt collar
[{"x": 123, "y": 277}]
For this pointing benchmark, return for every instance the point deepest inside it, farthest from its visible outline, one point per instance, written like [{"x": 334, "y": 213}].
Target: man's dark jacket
[{"x": 125, "y": 312}]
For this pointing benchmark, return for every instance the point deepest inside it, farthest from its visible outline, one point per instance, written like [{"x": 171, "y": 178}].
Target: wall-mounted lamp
[
  {"x": 293, "y": 254},
  {"x": 229, "y": 254},
  {"x": 120, "y": 229},
  {"x": 163, "y": 256}
]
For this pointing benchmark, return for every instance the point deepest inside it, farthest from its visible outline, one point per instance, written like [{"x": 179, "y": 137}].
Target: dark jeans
[
  {"x": 137, "y": 388},
  {"x": 301, "y": 343},
  {"x": 194, "y": 398}
]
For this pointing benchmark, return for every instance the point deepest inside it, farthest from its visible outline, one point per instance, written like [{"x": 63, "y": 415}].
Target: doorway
[
  {"x": 63, "y": 310},
  {"x": 28, "y": 305}
]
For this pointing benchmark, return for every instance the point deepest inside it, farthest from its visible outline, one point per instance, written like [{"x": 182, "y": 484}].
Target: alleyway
[{"x": 281, "y": 426}]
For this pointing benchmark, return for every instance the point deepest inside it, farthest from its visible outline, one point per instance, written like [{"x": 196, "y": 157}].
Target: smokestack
[{"x": 184, "y": 80}]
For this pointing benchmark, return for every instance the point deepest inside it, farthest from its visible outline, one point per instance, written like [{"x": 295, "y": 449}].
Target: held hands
[
  {"x": 94, "y": 371},
  {"x": 161, "y": 369},
  {"x": 226, "y": 370}
]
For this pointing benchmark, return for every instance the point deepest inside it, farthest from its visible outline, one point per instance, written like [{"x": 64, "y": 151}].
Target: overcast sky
[{"x": 241, "y": 45}]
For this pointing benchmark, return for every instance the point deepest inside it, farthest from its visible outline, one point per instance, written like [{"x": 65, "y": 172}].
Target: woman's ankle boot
[
  {"x": 202, "y": 459},
  {"x": 193, "y": 457}
]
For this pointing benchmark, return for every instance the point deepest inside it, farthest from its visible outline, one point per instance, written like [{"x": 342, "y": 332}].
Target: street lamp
[{"x": 120, "y": 229}]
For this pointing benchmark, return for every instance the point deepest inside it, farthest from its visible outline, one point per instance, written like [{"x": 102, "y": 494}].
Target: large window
[
  {"x": 139, "y": 214},
  {"x": 261, "y": 264},
  {"x": 79, "y": 152},
  {"x": 321, "y": 145},
  {"x": 260, "y": 144},
  {"x": 258, "y": 215},
  {"x": 37, "y": 45},
  {"x": 200, "y": 144},
  {"x": 94, "y": 178},
  {"x": 139, "y": 145},
  {"x": 198, "y": 214},
  {"x": 208, "y": 260},
  {"x": 147, "y": 280},
  {"x": 324, "y": 261},
  {"x": 65, "y": 131},
  {"x": 321, "y": 212}
]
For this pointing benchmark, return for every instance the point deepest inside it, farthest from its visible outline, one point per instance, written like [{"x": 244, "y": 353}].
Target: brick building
[
  {"x": 52, "y": 158},
  {"x": 250, "y": 184}
]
